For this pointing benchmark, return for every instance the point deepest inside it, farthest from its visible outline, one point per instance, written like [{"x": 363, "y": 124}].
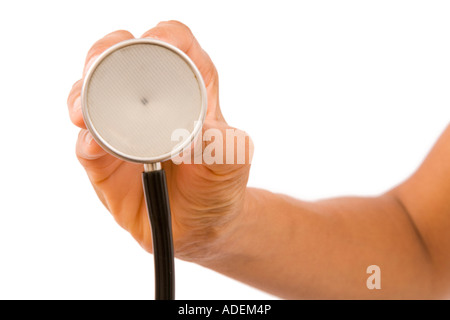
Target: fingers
[
  {"x": 180, "y": 36},
  {"x": 101, "y": 45},
  {"x": 74, "y": 99},
  {"x": 173, "y": 32},
  {"x": 97, "y": 162},
  {"x": 87, "y": 148},
  {"x": 74, "y": 105}
]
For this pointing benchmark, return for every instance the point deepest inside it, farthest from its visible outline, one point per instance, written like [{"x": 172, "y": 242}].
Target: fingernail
[
  {"x": 88, "y": 138},
  {"x": 89, "y": 64},
  {"x": 77, "y": 104}
]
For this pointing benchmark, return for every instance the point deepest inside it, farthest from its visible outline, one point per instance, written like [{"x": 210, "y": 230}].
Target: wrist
[
  {"x": 233, "y": 241},
  {"x": 207, "y": 242}
]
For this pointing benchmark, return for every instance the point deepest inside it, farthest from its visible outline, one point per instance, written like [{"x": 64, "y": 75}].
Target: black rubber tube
[{"x": 157, "y": 200}]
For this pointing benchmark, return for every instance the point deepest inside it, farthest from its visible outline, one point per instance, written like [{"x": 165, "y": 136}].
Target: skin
[{"x": 287, "y": 247}]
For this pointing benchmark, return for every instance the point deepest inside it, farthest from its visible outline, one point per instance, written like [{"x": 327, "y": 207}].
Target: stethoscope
[{"x": 134, "y": 97}]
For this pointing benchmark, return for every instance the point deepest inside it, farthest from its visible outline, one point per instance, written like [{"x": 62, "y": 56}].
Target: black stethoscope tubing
[{"x": 158, "y": 208}]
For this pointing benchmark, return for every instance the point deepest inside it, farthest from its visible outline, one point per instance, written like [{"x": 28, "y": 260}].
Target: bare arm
[
  {"x": 288, "y": 247},
  {"x": 322, "y": 249}
]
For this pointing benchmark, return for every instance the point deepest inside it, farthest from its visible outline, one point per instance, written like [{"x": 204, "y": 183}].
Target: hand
[{"x": 207, "y": 200}]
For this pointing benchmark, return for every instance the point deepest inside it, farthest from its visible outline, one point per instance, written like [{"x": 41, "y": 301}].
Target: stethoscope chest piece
[{"x": 136, "y": 96}]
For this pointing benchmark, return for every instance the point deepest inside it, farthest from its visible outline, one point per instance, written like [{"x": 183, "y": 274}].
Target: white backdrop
[{"x": 340, "y": 97}]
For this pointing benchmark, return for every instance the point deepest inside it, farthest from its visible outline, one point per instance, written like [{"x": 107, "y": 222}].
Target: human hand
[{"x": 207, "y": 200}]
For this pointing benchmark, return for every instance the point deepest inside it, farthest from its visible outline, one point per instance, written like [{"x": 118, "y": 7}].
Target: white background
[{"x": 340, "y": 97}]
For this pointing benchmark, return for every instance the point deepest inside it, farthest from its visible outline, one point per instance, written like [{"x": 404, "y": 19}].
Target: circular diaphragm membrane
[{"x": 140, "y": 97}]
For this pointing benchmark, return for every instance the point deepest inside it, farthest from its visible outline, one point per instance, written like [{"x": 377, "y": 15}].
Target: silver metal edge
[
  {"x": 105, "y": 145},
  {"x": 154, "y": 166}
]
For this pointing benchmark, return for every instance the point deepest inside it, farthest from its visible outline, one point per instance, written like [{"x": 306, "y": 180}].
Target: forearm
[{"x": 297, "y": 249}]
